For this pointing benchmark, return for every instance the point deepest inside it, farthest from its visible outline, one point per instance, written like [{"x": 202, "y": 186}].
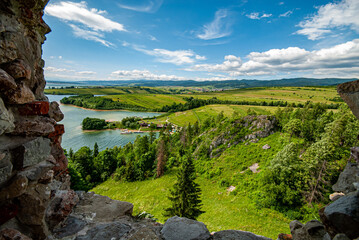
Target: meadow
[{"x": 223, "y": 209}]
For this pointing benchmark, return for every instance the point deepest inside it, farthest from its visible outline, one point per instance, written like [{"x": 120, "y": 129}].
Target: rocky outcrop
[
  {"x": 349, "y": 92},
  {"x": 177, "y": 228},
  {"x": 35, "y": 193},
  {"x": 347, "y": 178}
]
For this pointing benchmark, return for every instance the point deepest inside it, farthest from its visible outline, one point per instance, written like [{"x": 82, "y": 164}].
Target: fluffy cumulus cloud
[
  {"x": 342, "y": 58},
  {"x": 257, "y": 16},
  {"x": 218, "y": 28},
  {"x": 329, "y": 17},
  {"x": 87, "y": 23}
]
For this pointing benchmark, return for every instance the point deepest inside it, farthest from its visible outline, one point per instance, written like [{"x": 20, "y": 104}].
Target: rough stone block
[
  {"x": 12, "y": 234},
  {"x": 35, "y": 172},
  {"x": 101, "y": 208},
  {"x": 60, "y": 207},
  {"x": 6, "y": 81},
  {"x": 6, "y": 119},
  {"x": 21, "y": 95},
  {"x": 34, "y": 108},
  {"x": 342, "y": 216},
  {"x": 347, "y": 178},
  {"x": 5, "y": 167},
  {"x": 177, "y": 228},
  {"x": 16, "y": 188},
  {"x": 33, "y": 205},
  {"x": 39, "y": 126},
  {"x": 31, "y": 153},
  {"x": 59, "y": 130},
  {"x": 349, "y": 92},
  {"x": 233, "y": 234},
  {"x": 55, "y": 111},
  {"x": 106, "y": 231},
  {"x": 7, "y": 212},
  {"x": 18, "y": 69}
]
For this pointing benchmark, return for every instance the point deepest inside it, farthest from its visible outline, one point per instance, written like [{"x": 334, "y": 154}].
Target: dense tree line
[
  {"x": 315, "y": 149},
  {"x": 195, "y": 103}
]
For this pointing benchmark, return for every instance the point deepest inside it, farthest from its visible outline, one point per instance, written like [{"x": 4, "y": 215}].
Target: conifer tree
[
  {"x": 95, "y": 150},
  {"x": 185, "y": 195}
]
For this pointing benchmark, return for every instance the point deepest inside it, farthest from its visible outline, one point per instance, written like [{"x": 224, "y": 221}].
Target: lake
[{"x": 75, "y": 138}]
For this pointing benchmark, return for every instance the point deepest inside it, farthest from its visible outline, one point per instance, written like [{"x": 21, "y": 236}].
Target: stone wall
[{"x": 33, "y": 167}]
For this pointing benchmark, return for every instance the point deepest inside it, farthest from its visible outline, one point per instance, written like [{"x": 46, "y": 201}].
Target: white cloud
[
  {"x": 281, "y": 3},
  {"x": 342, "y": 58},
  {"x": 257, "y": 16},
  {"x": 141, "y": 75},
  {"x": 286, "y": 14},
  {"x": 54, "y": 69},
  {"x": 177, "y": 57},
  {"x": 149, "y": 6},
  {"x": 329, "y": 17},
  {"x": 80, "y": 13},
  {"x": 90, "y": 22},
  {"x": 218, "y": 28},
  {"x": 147, "y": 75},
  {"x": 86, "y": 73},
  {"x": 65, "y": 73},
  {"x": 90, "y": 35}
]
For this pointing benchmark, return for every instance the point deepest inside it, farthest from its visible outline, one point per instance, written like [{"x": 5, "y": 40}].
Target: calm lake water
[{"x": 75, "y": 138}]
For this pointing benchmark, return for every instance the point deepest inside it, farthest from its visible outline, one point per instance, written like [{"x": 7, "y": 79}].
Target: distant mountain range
[{"x": 229, "y": 84}]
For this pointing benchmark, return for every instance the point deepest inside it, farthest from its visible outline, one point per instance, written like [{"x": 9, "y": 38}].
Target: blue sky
[{"x": 201, "y": 39}]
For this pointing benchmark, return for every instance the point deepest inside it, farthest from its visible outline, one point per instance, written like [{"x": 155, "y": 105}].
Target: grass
[
  {"x": 201, "y": 113},
  {"x": 148, "y": 101},
  {"x": 223, "y": 210}
]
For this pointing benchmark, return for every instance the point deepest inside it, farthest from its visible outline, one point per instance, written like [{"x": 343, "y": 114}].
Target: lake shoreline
[
  {"x": 121, "y": 129},
  {"x": 108, "y": 110}
]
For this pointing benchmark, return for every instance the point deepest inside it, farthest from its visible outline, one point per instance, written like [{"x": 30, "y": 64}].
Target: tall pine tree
[{"x": 185, "y": 195}]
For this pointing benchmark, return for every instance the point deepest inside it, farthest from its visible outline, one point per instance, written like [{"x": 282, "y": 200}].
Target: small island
[{"x": 126, "y": 123}]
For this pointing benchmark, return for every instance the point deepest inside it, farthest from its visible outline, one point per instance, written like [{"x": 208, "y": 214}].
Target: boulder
[
  {"x": 55, "y": 111},
  {"x": 237, "y": 235},
  {"x": 105, "y": 231},
  {"x": 347, "y": 178},
  {"x": 341, "y": 236},
  {"x": 101, "y": 208},
  {"x": 144, "y": 234},
  {"x": 312, "y": 230},
  {"x": 12, "y": 234},
  {"x": 6, "y": 119},
  {"x": 265, "y": 147},
  {"x": 178, "y": 228},
  {"x": 342, "y": 216},
  {"x": 69, "y": 227}
]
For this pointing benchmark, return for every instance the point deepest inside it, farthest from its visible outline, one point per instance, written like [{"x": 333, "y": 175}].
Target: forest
[{"x": 310, "y": 147}]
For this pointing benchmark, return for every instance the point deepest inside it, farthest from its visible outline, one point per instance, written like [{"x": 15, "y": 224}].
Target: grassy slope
[
  {"x": 149, "y": 101},
  {"x": 224, "y": 210},
  {"x": 201, "y": 113},
  {"x": 142, "y": 97}
]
